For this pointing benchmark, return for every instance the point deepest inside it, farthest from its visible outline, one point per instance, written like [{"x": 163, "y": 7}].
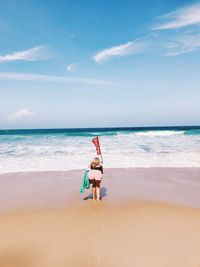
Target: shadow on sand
[{"x": 103, "y": 194}]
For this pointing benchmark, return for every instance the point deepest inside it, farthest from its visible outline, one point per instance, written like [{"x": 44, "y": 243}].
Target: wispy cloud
[
  {"x": 21, "y": 115},
  {"x": 185, "y": 16},
  {"x": 48, "y": 78},
  {"x": 183, "y": 44},
  {"x": 133, "y": 47},
  {"x": 71, "y": 67},
  {"x": 32, "y": 54}
]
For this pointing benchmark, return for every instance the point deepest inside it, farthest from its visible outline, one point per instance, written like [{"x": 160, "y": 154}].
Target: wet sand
[
  {"x": 147, "y": 218},
  {"x": 180, "y": 186}
]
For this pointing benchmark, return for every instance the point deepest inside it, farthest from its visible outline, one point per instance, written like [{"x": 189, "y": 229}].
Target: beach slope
[{"x": 52, "y": 225}]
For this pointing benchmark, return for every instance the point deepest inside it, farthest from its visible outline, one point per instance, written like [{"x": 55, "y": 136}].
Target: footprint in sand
[
  {"x": 97, "y": 259},
  {"x": 102, "y": 225},
  {"x": 94, "y": 239}
]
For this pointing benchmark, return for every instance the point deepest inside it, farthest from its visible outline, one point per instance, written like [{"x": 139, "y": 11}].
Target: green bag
[{"x": 85, "y": 182}]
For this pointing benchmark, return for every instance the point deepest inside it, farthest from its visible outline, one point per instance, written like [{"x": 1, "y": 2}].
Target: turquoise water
[
  {"x": 66, "y": 149},
  {"x": 89, "y": 132}
]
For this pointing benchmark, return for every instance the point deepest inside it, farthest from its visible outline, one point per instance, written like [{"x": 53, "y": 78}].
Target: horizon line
[{"x": 106, "y": 127}]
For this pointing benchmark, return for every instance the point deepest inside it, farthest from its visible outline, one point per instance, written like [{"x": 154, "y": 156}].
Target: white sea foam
[
  {"x": 62, "y": 153},
  {"x": 160, "y": 133}
]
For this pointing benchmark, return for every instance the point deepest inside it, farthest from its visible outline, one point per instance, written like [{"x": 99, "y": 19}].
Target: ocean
[{"x": 68, "y": 149}]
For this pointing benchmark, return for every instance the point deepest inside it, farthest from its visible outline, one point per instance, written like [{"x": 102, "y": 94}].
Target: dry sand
[{"x": 45, "y": 222}]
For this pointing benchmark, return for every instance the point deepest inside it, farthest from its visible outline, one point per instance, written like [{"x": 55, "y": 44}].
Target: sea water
[{"x": 67, "y": 149}]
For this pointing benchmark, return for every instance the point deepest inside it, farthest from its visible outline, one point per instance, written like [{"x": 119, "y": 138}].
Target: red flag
[{"x": 95, "y": 141}]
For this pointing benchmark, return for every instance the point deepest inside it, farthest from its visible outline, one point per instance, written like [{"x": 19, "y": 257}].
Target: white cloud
[
  {"x": 17, "y": 76},
  {"x": 181, "y": 17},
  {"x": 183, "y": 44},
  {"x": 32, "y": 54},
  {"x": 129, "y": 48},
  {"x": 71, "y": 67},
  {"x": 21, "y": 115}
]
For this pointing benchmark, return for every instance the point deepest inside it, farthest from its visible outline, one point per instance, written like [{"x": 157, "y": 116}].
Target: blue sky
[{"x": 101, "y": 63}]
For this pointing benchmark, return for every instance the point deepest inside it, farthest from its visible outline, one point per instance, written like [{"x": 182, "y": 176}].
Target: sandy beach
[
  {"x": 147, "y": 217},
  {"x": 112, "y": 88}
]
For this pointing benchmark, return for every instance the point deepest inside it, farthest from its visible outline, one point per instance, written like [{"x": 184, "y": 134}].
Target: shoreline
[{"x": 24, "y": 190}]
